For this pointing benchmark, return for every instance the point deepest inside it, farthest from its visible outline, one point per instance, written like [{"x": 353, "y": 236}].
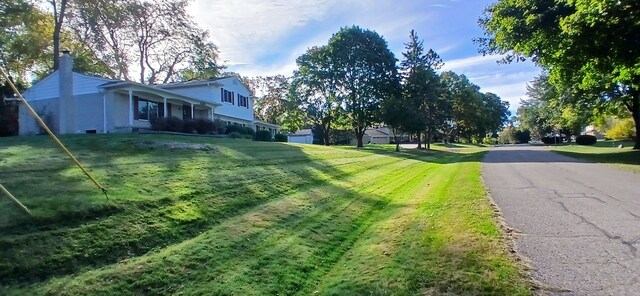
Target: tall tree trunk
[
  {"x": 325, "y": 133},
  {"x": 395, "y": 138},
  {"x": 428, "y": 140},
  {"x": 58, "y": 20},
  {"x": 635, "y": 113},
  {"x": 359, "y": 135},
  {"x": 419, "y": 134}
]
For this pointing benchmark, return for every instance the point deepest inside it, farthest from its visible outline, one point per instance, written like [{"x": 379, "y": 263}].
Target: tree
[
  {"x": 495, "y": 113},
  {"x": 24, "y": 37},
  {"x": 546, "y": 111},
  {"x": 59, "y": 10},
  {"x": 473, "y": 113},
  {"x": 203, "y": 62},
  {"x": 313, "y": 90},
  {"x": 590, "y": 47},
  {"x": 271, "y": 97},
  {"x": 158, "y": 37},
  {"x": 8, "y": 110},
  {"x": 422, "y": 90},
  {"x": 364, "y": 73},
  {"x": 466, "y": 104},
  {"x": 26, "y": 43},
  {"x": 394, "y": 113}
]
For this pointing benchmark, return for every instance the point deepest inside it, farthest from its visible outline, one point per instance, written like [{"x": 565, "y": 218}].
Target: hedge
[{"x": 586, "y": 140}]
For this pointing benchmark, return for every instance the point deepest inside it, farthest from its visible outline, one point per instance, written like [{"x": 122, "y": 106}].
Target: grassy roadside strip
[
  {"x": 438, "y": 238},
  {"x": 605, "y": 152}
]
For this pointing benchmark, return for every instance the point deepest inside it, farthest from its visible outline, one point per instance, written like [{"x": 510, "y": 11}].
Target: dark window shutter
[
  {"x": 160, "y": 109},
  {"x": 135, "y": 108},
  {"x": 222, "y": 94},
  {"x": 169, "y": 109}
]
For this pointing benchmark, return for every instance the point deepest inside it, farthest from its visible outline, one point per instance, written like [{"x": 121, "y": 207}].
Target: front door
[{"x": 186, "y": 112}]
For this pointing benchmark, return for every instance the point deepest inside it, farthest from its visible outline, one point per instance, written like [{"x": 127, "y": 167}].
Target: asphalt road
[{"x": 580, "y": 221}]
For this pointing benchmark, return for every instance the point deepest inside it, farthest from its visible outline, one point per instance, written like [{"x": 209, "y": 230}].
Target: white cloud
[
  {"x": 245, "y": 29},
  {"x": 512, "y": 93},
  {"x": 469, "y": 62}
]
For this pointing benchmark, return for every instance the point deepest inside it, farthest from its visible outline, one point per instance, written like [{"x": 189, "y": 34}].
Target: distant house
[
  {"x": 379, "y": 135},
  {"x": 304, "y": 136},
  {"x": 76, "y": 103}
]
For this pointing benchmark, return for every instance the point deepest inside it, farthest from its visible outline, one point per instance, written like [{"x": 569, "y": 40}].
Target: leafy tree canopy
[{"x": 590, "y": 47}]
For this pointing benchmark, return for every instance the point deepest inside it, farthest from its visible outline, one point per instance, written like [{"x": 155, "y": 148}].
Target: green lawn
[
  {"x": 605, "y": 152},
  {"x": 194, "y": 216}
]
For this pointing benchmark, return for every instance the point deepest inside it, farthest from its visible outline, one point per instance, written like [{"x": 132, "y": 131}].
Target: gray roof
[
  {"x": 191, "y": 82},
  {"x": 302, "y": 132},
  {"x": 376, "y": 133}
]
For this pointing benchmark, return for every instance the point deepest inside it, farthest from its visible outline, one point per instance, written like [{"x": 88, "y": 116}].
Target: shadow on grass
[
  {"x": 147, "y": 212},
  {"x": 627, "y": 157},
  {"x": 199, "y": 201}
]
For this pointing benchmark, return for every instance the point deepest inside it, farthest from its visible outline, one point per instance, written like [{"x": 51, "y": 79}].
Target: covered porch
[{"x": 132, "y": 105}]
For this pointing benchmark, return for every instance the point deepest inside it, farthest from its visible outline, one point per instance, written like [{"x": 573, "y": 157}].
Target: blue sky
[{"x": 264, "y": 37}]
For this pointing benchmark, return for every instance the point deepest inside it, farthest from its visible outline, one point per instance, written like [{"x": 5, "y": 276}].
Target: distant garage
[{"x": 304, "y": 136}]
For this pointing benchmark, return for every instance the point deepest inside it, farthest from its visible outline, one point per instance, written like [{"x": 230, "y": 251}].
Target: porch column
[
  {"x": 166, "y": 112},
  {"x": 131, "y": 108},
  {"x": 211, "y": 113},
  {"x": 104, "y": 112},
  {"x": 191, "y": 110}
]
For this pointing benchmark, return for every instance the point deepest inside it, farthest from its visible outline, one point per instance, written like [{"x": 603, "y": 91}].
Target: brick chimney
[{"x": 67, "y": 119}]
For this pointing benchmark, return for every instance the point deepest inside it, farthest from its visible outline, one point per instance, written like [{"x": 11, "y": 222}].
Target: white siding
[
  {"x": 211, "y": 93},
  {"x": 202, "y": 92},
  {"x": 304, "y": 139},
  {"x": 89, "y": 115},
  {"x": 49, "y": 87},
  {"x": 48, "y": 111},
  {"x": 233, "y": 110},
  {"x": 118, "y": 113}
]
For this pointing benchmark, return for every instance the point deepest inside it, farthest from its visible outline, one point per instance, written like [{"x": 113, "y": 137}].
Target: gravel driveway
[{"x": 580, "y": 221}]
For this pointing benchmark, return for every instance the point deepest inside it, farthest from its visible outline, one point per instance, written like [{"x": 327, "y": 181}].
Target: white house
[
  {"x": 304, "y": 136},
  {"x": 77, "y": 103}
]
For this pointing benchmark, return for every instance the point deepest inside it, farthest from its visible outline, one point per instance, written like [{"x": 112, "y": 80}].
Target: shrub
[
  {"x": 234, "y": 128},
  {"x": 249, "y": 131},
  {"x": 157, "y": 123},
  {"x": 523, "y": 137},
  {"x": 489, "y": 141},
  {"x": 219, "y": 126},
  {"x": 204, "y": 126},
  {"x": 586, "y": 140},
  {"x": 263, "y": 135},
  {"x": 551, "y": 140},
  {"x": 622, "y": 130},
  {"x": 235, "y": 135},
  {"x": 47, "y": 117},
  {"x": 188, "y": 125},
  {"x": 280, "y": 138},
  {"x": 173, "y": 124}
]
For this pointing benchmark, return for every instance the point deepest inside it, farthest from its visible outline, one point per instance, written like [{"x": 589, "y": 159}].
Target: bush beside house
[
  {"x": 586, "y": 140},
  {"x": 263, "y": 135},
  {"x": 200, "y": 126},
  {"x": 280, "y": 138}
]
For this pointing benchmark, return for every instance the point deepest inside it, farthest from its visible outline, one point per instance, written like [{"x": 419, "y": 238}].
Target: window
[
  {"x": 243, "y": 101},
  {"x": 226, "y": 96},
  {"x": 147, "y": 109}
]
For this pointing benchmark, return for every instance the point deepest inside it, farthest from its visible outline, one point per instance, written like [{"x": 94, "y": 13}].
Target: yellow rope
[
  {"x": 50, "y": 133},
  {"x": 15, "y": 200}
]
